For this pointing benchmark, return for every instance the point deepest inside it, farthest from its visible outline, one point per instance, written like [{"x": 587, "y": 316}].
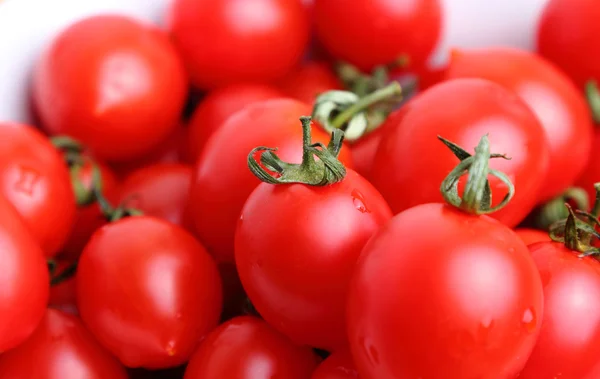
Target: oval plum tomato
[
  {"x": 60, "y": 348},
  {"x": 309, "y": 81},
  {"x": 224, "y": 42},
  {"x": 222, "y": 181},
  {"x": 567, "y": 34},
  {"x": 24, "y": 279},
  {"x": 411, "y": 163},
  {"x": 216, "y": 108},
  {"x": 62, "y": 294},
  {"x": 530, "y": 236},
  {"x": 35, "y": 179},
  {"x": 260, "y": 353},
  {"x": 160, "y": 190},
  {"x": 388, "y": 30},
  {"x": 338, "y": 365},
  {"x": 570, "y": 335},
  {"x": 459, "y": 290},
  {"x": 560, "y": 107},
  {"x": 149, "y": 299},
  {"x": 113, "y": 83}
]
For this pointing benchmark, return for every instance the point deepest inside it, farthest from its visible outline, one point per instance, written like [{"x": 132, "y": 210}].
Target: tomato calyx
[
  {"x": 555, "y": 210},
  {"x": 477, "y": 195},
  {"x": 362, "y": 84},
  {"x": 326, "y": 170},
  {"x": 593, "y": 98},
  {"x": 59, "y": 277}
]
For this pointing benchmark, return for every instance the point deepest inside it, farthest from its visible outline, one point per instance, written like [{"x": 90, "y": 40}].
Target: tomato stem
[
  {"x": 64, "y": 275},
  {"x": 576, "y": 234},
  {"x": 326, "y": 170},
  {"x": 555, "y": 210},
  {"x": 593, "y": 98}
]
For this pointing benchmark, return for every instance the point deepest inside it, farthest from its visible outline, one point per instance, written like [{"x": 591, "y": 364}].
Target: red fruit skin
[
  {"x": 62, "y": 295},
  {"x": 338, "y": 365},
  {"x": 309, "y": 81},
  {"x": 60, "y": 348},
  {"x": 530, "y": 236},
  {"x": 218, "y": 106}
]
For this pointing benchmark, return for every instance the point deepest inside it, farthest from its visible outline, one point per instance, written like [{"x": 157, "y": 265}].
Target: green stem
[
  {"x": 593, "y": 98},
  {"x": 64, "y": 275},
  {"x": 67, "y": 144},
  {"x": 555, "y": 210},
  {"x": 110, "y": 213},
  {"x": 596, "y": 209},
  {"x": 576, "y": 234}
]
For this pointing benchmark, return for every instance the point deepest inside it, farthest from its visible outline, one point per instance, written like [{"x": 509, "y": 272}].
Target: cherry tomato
[
  {"x": 295, "y": 249},
  {"x": 570, "y": 333},
  {"x": 560, "y": 107},
  {"x": 60, "y": 348},
  {"x": 530, "y": 236},
  {"x": 260, "y": 353},
  {"x": 35, "y": 179},
  {"x": 567, "y": 33},
  {"x": 439, "y": 293},
  {"x": 309, "y": 81},
  {"x": 113, "y": 83},
  {"x": 591, "y": 174},
  {"x": 222, "y": 181},
  {"x": 367, "y": 33},
  {"x": 224, "y": 41},
  {"x": 411, "y": 163},
  {"x": 216, "y": 108},
  {"x": 62, "y": 295},
  {"x": 338, "y": 365},
  {"x": 24, "y": 278},
  {"x": 148, "y": 291},
  {"x": 161, "y": 190}
]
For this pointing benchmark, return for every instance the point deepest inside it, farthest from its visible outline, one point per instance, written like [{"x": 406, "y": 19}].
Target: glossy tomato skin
[
  {"x": 411, "y": 162},
  {"x": 567, "y": 34},
  {"x": 260, "y": 353},
  {"x": 460, "y": 291},
  {"x": 309, "y": 81},
  {"x": 60, "y": 348},
  {"x": 558, "y": 104},
  {"x": 24, "y": 279},
  {"x": 113, "y": 83},
  {"x": 530, "y": 236},
  {"x": 338, "y": 365},
  {"x": 224, "y": 42},
  {"x": 570, "y": 334},
  {"x": 160, "y": 190},
  {"x": 296, "y": 247},
  {"x": 35, "y": 179},
  {"x": 218, "y": 106},
  {"x": 148, "y": 291},
  {"x": 222, "y": 180},
  {"x": 388, "y": 30}
]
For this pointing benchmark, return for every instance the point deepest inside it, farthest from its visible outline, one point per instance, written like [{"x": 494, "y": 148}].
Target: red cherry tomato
[
  {"x": 216, "y": 108},
  {"x": 60, "y": 348},
  {"x": 35, "y": 179},
  {"x": 591, "y": 174},
  {"x": 113, "y": 83},
  {"x": 309, "y": 81},
  {"x": 260, "y": 353},
  {"x": 223, "y": 181},
  {"x": 567, "y": 34},
  {"x": 62, "y": 295},
  {"x": 338, "y": 365},
  {"x": 295, "y": 249},
  {"x": 24, "y": 279},
  {"x": 439, "y": 293},
  {"x": 224, "y": 41},
  {"x": 411, "y": 163},
  {"x": 162, "y": 191},
  {"x": 570, "y": 335},
  {"x": 148, "y": 291},
  {"x": 530, "y": 236},
  {"x": 367, "y": 33},
  {"x": 559, "y": 106}
]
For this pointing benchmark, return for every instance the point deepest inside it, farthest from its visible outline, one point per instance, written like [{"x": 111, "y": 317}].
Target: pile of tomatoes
[{"x": 280, "y": 189}]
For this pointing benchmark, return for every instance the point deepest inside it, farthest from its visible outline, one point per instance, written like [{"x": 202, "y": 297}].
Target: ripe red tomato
[
  {"x": 338, "y": 365},
  {"x": 591, "y": 174},
  {"x": 224, "y": 42},
  {"x": 530, "y": 236},
  {"x": 35, "y": 179},
  {"x": 24, "y": 278},
  {"x": 439, "y": 293},
  {"x": 295, "y": 249},
  {"x": 160, "y": 190},
  {"x": 222, "y": 181},
  {"x": 62, "y": 295},
  {"x": 411, "y": 163},
  {"x": 309, "y": 81},
  {"x": 216, "y": 108},
  {"x": 570, "y": 335},
  {"x": 560, "y": 107},
  {"x": 60, "y": 348},
  {"x": 148, "y": 291},
  {"x": 567, "y": 33},
  {"x": 260, "y": 353},
  {"x": 113, "y": 83},
  {"x": 367, "y": 33}
]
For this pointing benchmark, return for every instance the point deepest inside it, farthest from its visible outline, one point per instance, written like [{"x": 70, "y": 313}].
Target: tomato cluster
[{"x": 287, "y": 189}]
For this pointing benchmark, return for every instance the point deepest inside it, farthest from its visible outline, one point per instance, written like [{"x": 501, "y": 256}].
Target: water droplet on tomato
[
  {"x": 359, "y": 201},
  {"x": 483, "y": 331},
  {"x": 511, "y": 250},
  {"x": 241, "y": 217},
  {"x": 170, "y": 348},
  {"x": 178, "y": 316},
  {"x": 529, "y": 319}
]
